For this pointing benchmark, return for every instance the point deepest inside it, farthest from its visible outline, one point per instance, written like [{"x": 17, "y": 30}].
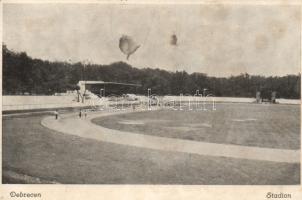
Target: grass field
[
  {"x": 33, "y": 151},
  {"x": 266, "y": 125}
]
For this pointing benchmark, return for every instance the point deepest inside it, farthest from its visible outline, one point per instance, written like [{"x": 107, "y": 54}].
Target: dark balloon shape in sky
[
  {"x": 127, "y": 45},
  {"x": 173, "y": 40}
]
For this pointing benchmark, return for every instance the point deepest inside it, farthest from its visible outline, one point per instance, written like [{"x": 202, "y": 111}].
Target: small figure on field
[
  {"x": 56, "y": 114},
  {"x": 80, "y": 114}
]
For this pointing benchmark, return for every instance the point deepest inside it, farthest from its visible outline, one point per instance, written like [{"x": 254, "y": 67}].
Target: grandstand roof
[{"x": 106, "y": 83}]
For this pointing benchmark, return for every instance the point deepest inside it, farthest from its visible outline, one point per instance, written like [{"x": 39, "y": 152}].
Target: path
[{"x": 71, "y": 124}]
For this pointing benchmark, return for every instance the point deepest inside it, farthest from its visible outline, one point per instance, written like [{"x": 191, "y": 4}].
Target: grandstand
[{"x": 102, "y": 88}]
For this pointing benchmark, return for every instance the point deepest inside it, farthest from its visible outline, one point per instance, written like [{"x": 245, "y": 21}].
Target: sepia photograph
[{"x": 151, "y": 94}]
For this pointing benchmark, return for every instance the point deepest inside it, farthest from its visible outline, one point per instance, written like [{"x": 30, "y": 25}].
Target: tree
[{"x": 22, "y": 73}]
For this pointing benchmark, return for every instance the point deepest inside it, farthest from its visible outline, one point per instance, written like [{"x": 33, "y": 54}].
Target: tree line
[{"x": 25, "y": 75}]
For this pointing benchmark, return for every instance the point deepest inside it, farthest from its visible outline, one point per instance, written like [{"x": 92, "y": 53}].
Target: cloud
[{"x": 212, "y": 39}]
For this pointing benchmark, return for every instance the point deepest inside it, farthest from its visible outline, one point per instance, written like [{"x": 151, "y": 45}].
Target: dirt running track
[{"x": 73, "y": 125}]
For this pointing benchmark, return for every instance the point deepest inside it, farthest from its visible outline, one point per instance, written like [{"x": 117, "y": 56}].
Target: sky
[{"x": 219, "y": 40}]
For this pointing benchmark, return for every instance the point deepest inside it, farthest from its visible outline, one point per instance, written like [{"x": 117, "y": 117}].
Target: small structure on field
[{"x": 266, "y": 96}]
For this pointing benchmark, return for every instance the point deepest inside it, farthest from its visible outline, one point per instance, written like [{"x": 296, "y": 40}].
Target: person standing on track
[
  {"x": 56, "y": 114},
  {"x": 80, "y": 113}
]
